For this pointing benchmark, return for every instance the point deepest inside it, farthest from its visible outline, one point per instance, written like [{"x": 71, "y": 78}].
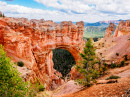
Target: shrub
[
  {"x": 122, "y": 63},
  {"x": 125, "y": 57},
  {"x": 104, "y": 69},
  {"x": 117, "y": 54},
  {"x": 102, "y": 44},
  {"x": 112, "y": 77},
  {"x": 105, "y": 64},
  {"x": 20, "y": 63},
  {"x": 113, "y": 66},
  {"x": 41, "y": 87}
]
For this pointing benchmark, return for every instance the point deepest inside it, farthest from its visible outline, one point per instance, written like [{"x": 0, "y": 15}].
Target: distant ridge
[{"x": 103, "y": 23}]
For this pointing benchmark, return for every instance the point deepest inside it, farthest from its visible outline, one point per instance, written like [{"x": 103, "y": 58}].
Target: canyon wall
[
  {"x": 123, "y": 28},
  {"x": 114, "y": 47},
  {"x": 109, "y": 30},
  {"x": 32, "y": 42}
]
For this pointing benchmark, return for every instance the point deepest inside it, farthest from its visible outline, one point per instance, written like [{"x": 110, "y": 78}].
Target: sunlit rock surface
[{"x": 32, "y": 42}]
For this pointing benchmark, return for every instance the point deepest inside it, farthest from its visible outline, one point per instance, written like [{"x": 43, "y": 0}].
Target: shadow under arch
[{"x": 63, "y": 62}]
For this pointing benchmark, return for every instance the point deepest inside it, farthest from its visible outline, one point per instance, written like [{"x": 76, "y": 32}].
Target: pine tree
[{"x": 87, "y": 67}]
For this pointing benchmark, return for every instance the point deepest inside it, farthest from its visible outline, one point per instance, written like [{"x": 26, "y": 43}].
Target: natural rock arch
[
  {"x": 32, "y": 42},
  {"x": 74, "y": 44}
]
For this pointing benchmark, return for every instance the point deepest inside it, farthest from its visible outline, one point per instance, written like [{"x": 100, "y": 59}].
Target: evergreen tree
[
  {"x": 87, "y": 67},
  {"x": 11, "y": 85}
]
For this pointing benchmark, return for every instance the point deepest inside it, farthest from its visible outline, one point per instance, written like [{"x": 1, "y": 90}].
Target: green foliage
[
  {"x": 41, "y": 87},
  {"x": 104, "y": 68},
  {"x": 101, "y": 54},
  {"x": 0, "y": 15},
  {"x": 102, "y": 44},
  {"x": 95, "y": 38},
  {"x": 122, "y": 63},
  {"x": 63, "y": 61},
  {"x": 87, "y": 67},
  {"x": 95, "y": 32},
  {"x": 20, "y": 63},
  {"x": 112, "y": 77},
  {"x": 11, "y": 85},
  {"x": 113, "y": 65},
  {"x": 36, "y": 87},
  {"x": 125, "y": 57}
]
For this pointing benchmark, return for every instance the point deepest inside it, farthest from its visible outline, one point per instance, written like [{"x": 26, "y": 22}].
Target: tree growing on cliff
[
  {"x": 11, "y": 85},
  {"x": 87, "y": 67}
]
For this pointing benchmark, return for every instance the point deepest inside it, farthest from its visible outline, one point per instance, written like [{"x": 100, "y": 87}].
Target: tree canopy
[
  {"x": 87, "y": 66},
  {"x": 11, "y": 85}
]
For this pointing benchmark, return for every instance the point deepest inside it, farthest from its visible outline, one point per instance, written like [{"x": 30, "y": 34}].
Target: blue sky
[
  {"x": 67, "y": 10},
  {"x": 28, "y": 3}
]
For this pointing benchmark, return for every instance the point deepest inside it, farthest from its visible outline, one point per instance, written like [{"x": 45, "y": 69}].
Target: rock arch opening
[{"x": 63, "y": 61}]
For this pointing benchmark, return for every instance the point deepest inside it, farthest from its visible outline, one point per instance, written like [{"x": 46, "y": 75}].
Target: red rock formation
[
  {"x": 109, "y": 47},
  {"x": 122, "y": 29},
  {"x": 33, "y": 41},
  {"x": 109, "y": 30}
]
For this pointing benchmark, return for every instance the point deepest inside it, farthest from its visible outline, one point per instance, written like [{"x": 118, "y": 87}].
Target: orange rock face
[
  {"x": 122, "y": 29},
  {"x": 109, "y": 30},
  {"x": 33, "y": 41}
]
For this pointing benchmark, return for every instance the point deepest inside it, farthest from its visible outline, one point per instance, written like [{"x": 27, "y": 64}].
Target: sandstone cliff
[
  {"x": 119, "y": 43},
  {"x": 123, "y": 28},
  {"x": 32, "y": 42},
  {"x": 109, "y": 30}
]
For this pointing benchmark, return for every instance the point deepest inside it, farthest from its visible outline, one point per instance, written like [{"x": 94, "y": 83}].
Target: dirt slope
[{"x": 105, "y": 90}]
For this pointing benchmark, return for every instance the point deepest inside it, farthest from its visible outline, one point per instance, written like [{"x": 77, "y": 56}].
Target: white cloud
[
  {"x": 84, "y": 6},
  {"x": 74, "y": 10}
]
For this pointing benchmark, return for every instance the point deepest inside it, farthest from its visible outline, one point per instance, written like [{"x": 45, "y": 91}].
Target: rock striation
[{"x": 32, "y": 42}]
